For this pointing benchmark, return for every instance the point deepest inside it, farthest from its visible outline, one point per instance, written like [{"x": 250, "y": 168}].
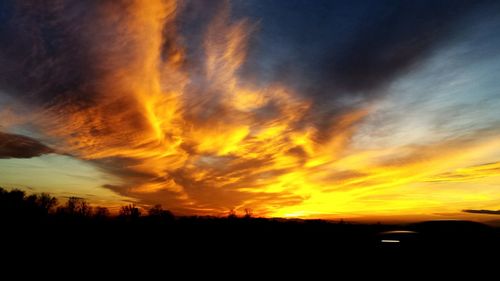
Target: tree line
[{"x": 18, "y": 205}]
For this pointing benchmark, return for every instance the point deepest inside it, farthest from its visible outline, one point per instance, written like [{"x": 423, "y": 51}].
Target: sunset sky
[{"x": 310, "y": 109}]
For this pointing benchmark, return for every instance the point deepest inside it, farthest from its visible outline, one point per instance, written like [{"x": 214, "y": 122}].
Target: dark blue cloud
[
  {"x": 18, "y": 146},
  {"x": 329, "y": 49},
  {"x": 45, "y": 55},
  {"x": 487, "y": 212},
  {"x": 325, "y": 49}
]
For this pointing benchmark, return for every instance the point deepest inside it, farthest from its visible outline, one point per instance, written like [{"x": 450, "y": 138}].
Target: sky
[{"x": 308, "y": 109}]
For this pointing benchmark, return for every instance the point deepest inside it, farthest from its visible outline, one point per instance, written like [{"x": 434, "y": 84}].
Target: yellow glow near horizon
[{"x": 207, "y": 141}]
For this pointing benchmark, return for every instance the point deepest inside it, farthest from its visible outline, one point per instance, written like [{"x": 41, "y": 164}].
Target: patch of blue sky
[
  {"x": 454, "y": 94},
  {"x": 59, "y": 175}
]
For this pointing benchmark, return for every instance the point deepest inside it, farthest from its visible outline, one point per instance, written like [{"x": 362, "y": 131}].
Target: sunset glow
[{"x": 211, "y": 106}]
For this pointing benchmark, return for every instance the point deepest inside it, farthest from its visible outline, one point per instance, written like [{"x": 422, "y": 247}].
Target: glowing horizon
[{"x": 204, "y": 108}]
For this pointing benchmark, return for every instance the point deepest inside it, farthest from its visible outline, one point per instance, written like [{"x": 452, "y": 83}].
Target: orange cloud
[{"x": 201, "y": 139}]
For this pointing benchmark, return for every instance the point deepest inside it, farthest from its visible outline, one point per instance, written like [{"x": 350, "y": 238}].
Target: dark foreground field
[
  {"x": 226, "y": 240},
  {"x": 73, "y": 235}
]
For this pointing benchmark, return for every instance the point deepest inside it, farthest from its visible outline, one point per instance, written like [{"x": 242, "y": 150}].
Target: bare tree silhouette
[
  {"x": 159, "y": 214},
  {"x": 46, "y": 202},
  {"x": 15, "y": 205},
  {"x": 130, "y": 212},
  {"x": 232, "y": 214},
  {"x": 248, "y": 213},
  {"x": 76, "y": 206},
  {"x": 101, "y": 213}
]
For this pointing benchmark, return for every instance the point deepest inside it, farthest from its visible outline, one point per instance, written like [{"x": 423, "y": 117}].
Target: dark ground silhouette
[{"x": 36, "y": 229}]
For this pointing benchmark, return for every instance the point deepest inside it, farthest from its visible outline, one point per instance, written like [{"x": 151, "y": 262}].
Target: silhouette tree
[
  {"x": 40, "y": 205},
  {"x": 76, "y": 206},
  {"x": 130, "y": 212},
  {"x": 46, "y": 203},
  {"x": 248, "y": 213},
  {"x": 101, "y": 213},
  {"x": 16, "y": 206},
  {"x": 12, "y": 204},
  {"x": 232, "y": 214},
  {"x": 159, "y": 214},
  {"x": 15, "y": 198}
]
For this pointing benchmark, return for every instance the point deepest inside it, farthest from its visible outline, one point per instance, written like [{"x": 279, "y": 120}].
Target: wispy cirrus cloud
[{"x": 468, "y": 174}]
